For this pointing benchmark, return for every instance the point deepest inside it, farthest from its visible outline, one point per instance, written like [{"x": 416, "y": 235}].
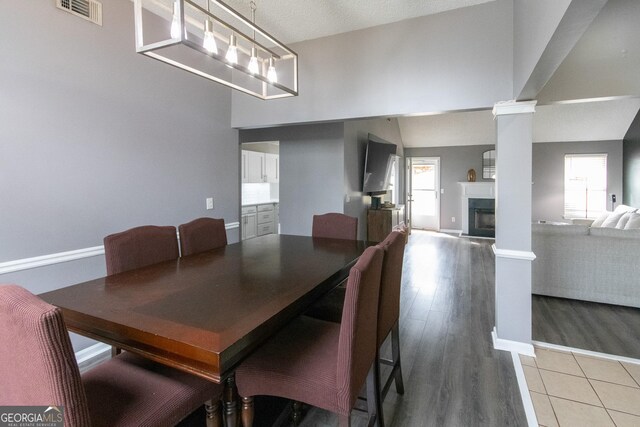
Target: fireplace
[{"x": 482, "y": 217}]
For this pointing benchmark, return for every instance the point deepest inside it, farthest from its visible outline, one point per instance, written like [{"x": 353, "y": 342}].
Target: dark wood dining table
[{"x": 205, "y": 313}]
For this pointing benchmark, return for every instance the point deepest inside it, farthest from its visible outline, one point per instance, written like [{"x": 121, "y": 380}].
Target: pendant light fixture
[
  {"x": 175, "y": 20},
  {"x": 271, "y": 72},
  {"x": 232, "y": 52},
  {"x": 253, "y": 66},
  {"x": 254, "y": 62},
  {"x": 209, "y": 40}
]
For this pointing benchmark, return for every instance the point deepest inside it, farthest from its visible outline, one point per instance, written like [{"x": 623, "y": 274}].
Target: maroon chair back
[
  {"x": 139, "y": 247},
  {"x": 37, "y": 363},
  {"x": 335, "y": 226},
  {"x": 390, "y": 283},
  {"x": 357, "y": 344},
  {"x": 201, "y": 235}
]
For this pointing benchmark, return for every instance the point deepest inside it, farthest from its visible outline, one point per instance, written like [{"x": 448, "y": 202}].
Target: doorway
[{"x": 423, "y": 188}]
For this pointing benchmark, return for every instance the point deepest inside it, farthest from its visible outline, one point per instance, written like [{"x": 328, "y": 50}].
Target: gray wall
[
  {"x": 548, "y": 174},
  {"x": 356, "y": 134},
  {"x": 534, "y": 23},
  {"x": 455, "y": 60},
  {"x": 311, "y": 171},
  {"x": 95, "y": 138},
  {"x": 631, "y": 165},
  {"x": 454, "y": 164}
]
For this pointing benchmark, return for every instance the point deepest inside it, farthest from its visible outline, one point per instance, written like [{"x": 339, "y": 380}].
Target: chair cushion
[
  {"x": 129, "y": 390},
  {"x": 298, "y": 363}
]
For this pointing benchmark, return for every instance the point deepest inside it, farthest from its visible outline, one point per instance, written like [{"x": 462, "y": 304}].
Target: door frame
[{"x": 409, "y": 185}]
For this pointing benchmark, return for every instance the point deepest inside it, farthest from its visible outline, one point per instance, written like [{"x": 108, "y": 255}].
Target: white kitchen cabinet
[
  {"x": 260, "y": 167},
  {"x": 249, "y": 222},
  {"x": 253, "y": 167},
  {"x": 272, "y": 162}
]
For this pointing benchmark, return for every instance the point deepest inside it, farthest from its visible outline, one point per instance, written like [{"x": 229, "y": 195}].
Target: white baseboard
[
  {"x": 532, "y": 420},
  {"x": 451, "y": 231},
  {"x": 512, "y": 346}
]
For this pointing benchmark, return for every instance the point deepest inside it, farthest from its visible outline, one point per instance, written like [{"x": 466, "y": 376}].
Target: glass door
[{"x": 423, "y": 196}]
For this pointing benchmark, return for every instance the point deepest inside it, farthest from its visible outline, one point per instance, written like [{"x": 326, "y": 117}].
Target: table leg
[
  {"x": 212, "y": 408},
  {"x": 247, "y": 412},
  {"x": 230, "y": 402}
]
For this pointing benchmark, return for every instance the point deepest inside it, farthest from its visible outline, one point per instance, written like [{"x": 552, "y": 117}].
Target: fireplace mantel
[{"x": 474, "y": 190}]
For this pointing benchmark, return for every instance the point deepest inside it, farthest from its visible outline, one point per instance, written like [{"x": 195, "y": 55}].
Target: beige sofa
[{"x": 600, "y": 264}]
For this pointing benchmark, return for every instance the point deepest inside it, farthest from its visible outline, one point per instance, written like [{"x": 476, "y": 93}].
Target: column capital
[{"x": 514, "y": 107}]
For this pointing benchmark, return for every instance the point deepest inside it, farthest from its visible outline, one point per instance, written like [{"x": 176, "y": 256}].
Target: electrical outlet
[
  {"x": 453, "y": 219},
  {"x": 209, "y": 203}
]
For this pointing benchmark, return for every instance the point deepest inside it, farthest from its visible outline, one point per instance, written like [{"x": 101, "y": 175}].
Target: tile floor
[{"x": 574, "y": 390}]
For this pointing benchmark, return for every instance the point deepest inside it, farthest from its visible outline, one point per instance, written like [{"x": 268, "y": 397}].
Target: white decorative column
[{"x": 514, "y": 137}]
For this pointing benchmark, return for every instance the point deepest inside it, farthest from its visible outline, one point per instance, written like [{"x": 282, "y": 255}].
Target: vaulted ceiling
[{"x": 296, "y": 20}]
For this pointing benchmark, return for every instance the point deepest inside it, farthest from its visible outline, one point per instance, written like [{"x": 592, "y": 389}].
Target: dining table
[{"x": 205, "y": 313}]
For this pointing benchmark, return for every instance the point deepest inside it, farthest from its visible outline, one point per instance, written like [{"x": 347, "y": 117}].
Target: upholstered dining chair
[
  {"x": 322, "y": 363},
  {"x": 202, "y": 234},
  {"x": 38, "y": 367},
  {"x": 139, "y": 247},
  {"x": 335, "y": 226},
  {"x": 329, "y": 308}
]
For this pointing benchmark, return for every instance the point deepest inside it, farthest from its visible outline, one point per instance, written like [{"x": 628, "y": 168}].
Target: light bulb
[
  {"x": 175, "y": 22},
  {"x": 272, "y": 76},
  {"x": 232, "y": 53},
  {"x": 209, "y": 41},
  {"x": 253, "y": 62}
]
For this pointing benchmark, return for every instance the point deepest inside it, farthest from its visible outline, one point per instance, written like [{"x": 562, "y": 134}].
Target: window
[{"x": 585, "y": 185}]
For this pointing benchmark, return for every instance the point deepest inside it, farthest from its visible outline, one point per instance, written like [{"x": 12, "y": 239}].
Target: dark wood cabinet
[{"x": 380, "y": 222}]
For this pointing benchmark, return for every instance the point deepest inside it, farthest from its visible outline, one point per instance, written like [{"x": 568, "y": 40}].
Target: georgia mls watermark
[{"x": 31, "y": 416}]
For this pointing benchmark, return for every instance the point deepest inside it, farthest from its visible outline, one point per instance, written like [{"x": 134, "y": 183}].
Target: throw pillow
[
  {"x": 634, "y": 222},
  {"x": 624, "y": 209},
  {"x": 612, "y": 220},
  {"x": 602, "y": 218},
  {"x": 623, "y": 220}
]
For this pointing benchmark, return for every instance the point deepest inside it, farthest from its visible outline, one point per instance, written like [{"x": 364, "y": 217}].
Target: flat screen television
[{"x": 378, "y": 162}]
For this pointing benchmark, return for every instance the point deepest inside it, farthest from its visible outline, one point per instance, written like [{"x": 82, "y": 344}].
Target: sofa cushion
[
  {"x": 612, "y": 220},
  {"x": 624, "y": 209},
  {"x": 602, "y": 218},
  {"x": 614, "y": 232},
  {"x": 575, "y": 229},
  {"x": 634, "y": 222},
  {"x": 623, "y": 220}
]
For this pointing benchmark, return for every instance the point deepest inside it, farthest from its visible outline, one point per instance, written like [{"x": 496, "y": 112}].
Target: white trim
[
  {"x": 95, "y": 351},
  {"x": 512, "y": 346},
  {"x": 60, "y": 257},
  {"x": 529, "y": 410},
  {"x": 586, "y": 352},
  {"x": 513, "y": 254},
  {"x": 514, "y": 107},
  {"x": 51, "y": 259},
  {"x": 451, "y": 231}
]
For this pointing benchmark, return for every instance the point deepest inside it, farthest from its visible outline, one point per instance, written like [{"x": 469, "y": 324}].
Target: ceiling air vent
[{"x": 90, "y": 10}]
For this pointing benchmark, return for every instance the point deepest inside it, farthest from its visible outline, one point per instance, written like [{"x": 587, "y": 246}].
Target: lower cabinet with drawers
[{"x": 258, "y": 220}]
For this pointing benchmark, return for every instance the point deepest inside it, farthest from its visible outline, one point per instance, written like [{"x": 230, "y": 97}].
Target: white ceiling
[{"x": 297, "y": 20}]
